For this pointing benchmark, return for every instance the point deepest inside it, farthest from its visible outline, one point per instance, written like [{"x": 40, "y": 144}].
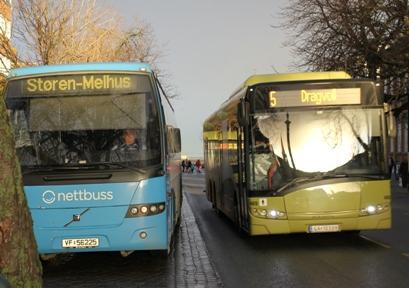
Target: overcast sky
[{"x": 210, "y": 47}]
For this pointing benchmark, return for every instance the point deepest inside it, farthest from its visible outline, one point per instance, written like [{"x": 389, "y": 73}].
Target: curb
[{"x": 193, "y": 265}]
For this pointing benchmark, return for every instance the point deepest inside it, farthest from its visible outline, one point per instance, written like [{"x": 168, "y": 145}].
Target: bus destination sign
[
  {"x": 314, "y": 97},
  {"x": 78, "y": 84}
]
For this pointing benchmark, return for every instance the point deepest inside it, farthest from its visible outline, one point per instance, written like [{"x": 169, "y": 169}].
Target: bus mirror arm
[
  {"x": 242, "y": 112},
  {"x": 390, "y": 120}
]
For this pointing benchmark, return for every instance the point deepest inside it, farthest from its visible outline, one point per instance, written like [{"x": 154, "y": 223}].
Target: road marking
[{"x": 376, "y": 242}]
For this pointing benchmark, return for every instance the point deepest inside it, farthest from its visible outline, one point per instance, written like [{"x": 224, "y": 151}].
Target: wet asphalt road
[
  {"x": 372, "y": 259},
  {"x": 212, "y": 253},
  {"x": 140, "y": 269},
  {"x": 188, "y": 265}
]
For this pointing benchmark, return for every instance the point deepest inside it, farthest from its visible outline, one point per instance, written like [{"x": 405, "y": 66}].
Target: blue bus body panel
[
  {"x": 94, "y": 67},
  {"x": 103, "y": 208}
]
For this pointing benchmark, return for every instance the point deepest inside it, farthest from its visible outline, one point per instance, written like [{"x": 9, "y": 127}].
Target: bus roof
[
  {"x": 102, "y": 66},
  {"x": 305, "y": 76}
]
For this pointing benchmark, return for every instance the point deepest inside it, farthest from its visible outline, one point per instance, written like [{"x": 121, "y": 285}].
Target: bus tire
[{"x": 352, "y": 233}]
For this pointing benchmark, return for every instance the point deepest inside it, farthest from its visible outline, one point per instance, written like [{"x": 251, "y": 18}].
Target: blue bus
[{"x": 87, "y": 189}]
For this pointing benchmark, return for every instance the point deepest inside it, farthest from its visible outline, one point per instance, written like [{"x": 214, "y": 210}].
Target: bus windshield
[
  {"x": 85, "y": 127},
  {"x": 295, "y": 145}
]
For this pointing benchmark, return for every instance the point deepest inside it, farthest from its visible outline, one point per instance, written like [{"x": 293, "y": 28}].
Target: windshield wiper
[
  {"x": 294, "y": 182},
  {"x": 33, "y": 169},
  {"x": 121, "y": 166},
  {"x": 322, "y": 176},
  {"x": 329, "y": 175},
  {"x": 96, "y": 166}
]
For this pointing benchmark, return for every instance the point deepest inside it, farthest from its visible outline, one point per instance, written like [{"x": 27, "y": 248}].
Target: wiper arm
[
  {"x": 344, "y": 175},
  {"x": 28, "y": 170},
  {"x": 316, "y": 177},
  {"x": 121, "y": 165},
  {"x": 96, "y": 166},
  {"x": 33, "y": 169},
  {"x": 294, "y": 182},
  {"x": 323, "y": 176}
]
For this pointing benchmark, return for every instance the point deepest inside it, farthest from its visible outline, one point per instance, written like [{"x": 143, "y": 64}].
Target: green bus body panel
[{"x": 339, "y": 203}]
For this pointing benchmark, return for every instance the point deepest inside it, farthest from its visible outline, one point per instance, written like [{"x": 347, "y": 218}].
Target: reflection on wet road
[{"x": 297, "y": 260}]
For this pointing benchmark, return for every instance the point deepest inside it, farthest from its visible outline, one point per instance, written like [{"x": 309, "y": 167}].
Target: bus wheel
[{"x": 352, "y": 233}]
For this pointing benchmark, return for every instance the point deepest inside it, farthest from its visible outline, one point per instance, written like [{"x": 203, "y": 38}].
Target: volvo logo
[{"x": 48, "y": 197}]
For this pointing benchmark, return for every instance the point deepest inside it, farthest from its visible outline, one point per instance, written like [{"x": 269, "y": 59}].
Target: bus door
[{"x": 241, "y": 192}]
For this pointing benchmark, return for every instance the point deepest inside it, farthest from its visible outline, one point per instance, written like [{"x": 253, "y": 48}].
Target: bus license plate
[
  {"x": 323, "y": 228},
  {"x": 80, "y": 243}
]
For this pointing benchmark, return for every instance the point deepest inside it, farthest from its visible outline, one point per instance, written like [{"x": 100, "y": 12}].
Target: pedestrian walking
[
  {"x": 403, "y": 172},
  {"x": 189, "y": 166},
  {"x": 198, "y": 165},
  {"x": 183, "y": 166},
  {"x": 392, "y": 167}
]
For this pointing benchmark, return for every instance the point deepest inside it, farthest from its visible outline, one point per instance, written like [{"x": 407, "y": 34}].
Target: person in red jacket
[{"x": 198, "y": 165}]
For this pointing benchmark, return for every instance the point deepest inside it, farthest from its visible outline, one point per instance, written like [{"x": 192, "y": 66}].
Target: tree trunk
[{"x": 19, "y": 261}]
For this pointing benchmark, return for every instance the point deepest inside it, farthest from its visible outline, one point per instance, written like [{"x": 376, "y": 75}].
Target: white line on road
[{"x": 376, "y": 242}]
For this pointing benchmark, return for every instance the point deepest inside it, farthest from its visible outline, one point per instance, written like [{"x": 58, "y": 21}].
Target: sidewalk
[
  {"x": 397, "y": 191},
  {"x": 196, "y": 180},
  {"x": 193, "y": 266}
]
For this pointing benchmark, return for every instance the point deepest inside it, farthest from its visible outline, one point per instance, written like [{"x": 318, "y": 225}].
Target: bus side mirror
[
  {"x": 242, "y": 112},
  {"x": 390, "y": 120},
  {"x": 178, "y": 144},
  {"x": 174, "y": 141}
]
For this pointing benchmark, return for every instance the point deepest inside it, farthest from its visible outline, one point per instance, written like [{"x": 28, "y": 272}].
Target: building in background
[
  {"x": 5, "y": 30},
  {"x": 398, "y": 145}
]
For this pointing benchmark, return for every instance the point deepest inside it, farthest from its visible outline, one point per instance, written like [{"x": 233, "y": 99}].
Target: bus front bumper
[
  {"x": 140, "y": 233},
  {"x": 264, "y": 226}
]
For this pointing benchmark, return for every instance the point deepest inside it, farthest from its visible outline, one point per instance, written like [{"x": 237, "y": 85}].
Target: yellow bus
[{"x": 300, "y": 152}]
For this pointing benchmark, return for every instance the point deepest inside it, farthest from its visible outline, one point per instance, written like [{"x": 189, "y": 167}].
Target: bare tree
[
  {"x": 368, "y": 38},
  {"x": 69, "y": 31},
  {"x": 19, "y": 261},
  {"x": 75, "y": 31}
]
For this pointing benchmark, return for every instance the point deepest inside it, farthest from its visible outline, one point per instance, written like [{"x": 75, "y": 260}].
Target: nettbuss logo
[{"x": 50, "y": 197}]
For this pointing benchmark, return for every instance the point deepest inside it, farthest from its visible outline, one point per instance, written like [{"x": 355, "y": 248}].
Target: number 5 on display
[{"x": 273, "y": 99}]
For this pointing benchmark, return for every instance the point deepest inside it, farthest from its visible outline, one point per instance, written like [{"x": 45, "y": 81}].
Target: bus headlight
[
  {"x": 373, "y": 209},
  {"x": 161, "y": 207},
  {"x": 139, "y": 210},
  {"x": 275, "y": 214},
  {"x": 153, "y": 208},
  {"x": 134, "y": 210},
  {"x": 144, "y": 209},
  {"x": 271, "y": 214}
]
